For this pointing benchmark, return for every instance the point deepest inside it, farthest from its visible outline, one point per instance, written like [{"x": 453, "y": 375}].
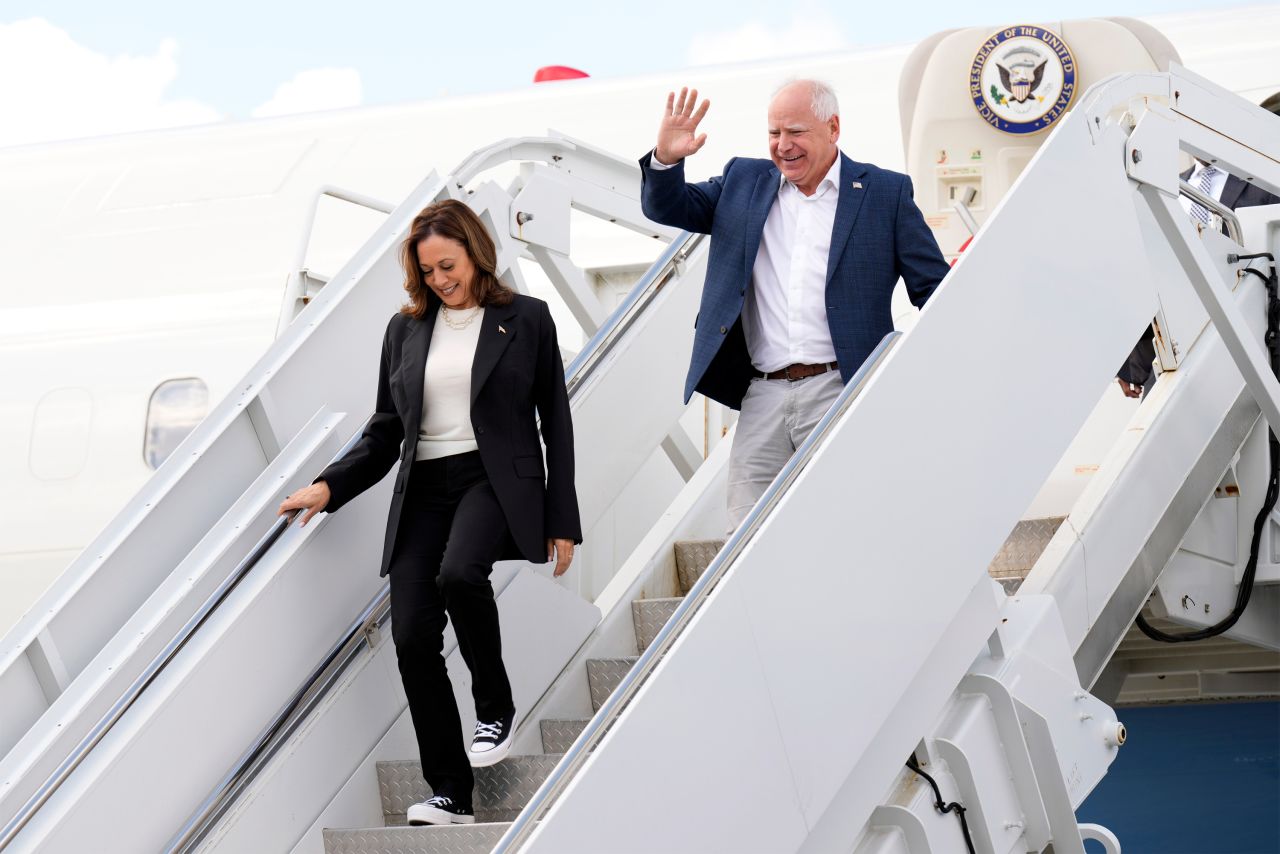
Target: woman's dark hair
[{"x": 454, "y": 220}]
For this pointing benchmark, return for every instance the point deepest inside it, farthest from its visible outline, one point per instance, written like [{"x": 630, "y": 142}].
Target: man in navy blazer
[{"x": 806, "y": 250}]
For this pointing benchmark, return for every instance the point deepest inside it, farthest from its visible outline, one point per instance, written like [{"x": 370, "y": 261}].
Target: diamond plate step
[
  {"x": 501, "y": 792},
  {"x": 558, "y": 735},
  {"x": 692, "y": 559},
  {"x": 603, "y": 675},
  {"x": 1021, "y": 550},
  {"x": 649, "y": 616},
  {"x": 452, "y": 839}
]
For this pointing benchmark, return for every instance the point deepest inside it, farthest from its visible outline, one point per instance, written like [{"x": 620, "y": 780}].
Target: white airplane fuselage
[{"x": 136, "y": 260}]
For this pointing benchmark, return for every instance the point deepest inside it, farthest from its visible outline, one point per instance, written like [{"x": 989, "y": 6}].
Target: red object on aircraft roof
[{"x": 548, "y": 73}]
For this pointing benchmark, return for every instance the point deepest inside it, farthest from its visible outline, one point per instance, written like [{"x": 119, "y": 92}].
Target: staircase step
[
  {"x": 649, "y": 616},
  {"x": 501, "y": 792},
  {"x": 1021, "y": 549},
  {"x": 558, "y": 735},
  {"x": 603, "y": 675},
  {"x": 450, "y": 839},
  {"x": 692, "y": 559}
]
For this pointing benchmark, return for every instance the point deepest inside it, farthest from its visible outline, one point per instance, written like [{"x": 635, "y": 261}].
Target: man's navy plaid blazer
[{"x": 879, "y": 235}]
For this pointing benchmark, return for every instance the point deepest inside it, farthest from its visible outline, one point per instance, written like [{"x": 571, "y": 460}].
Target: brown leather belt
[{"x": 791, "y": 373}]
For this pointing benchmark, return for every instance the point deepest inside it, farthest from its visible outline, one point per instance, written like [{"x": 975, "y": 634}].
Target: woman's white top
[{"x": 446, "y": 395}]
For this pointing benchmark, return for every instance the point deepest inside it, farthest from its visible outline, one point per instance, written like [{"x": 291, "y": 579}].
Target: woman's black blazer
[{"x": 516, "y": 372}]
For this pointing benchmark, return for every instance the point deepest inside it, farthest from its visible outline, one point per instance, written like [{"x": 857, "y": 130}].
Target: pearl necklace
[{"x": 458, "y": 324}]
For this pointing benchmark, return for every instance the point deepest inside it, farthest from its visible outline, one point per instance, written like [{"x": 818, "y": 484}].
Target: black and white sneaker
[
  {"x": 492, "y": 742},
  {"x": 440, "y": 809}
]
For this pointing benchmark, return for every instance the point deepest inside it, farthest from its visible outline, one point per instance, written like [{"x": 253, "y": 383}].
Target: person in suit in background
[
  {"x": 806, "y": 248},
  {"x": 1137, "y": 374},
  {"x": 466, "y": 366}
]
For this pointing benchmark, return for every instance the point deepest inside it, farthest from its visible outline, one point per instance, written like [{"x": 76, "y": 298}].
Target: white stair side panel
[
  {"x": 282, "y": 806},
  {"x": 729, "y": 714},
  {"x": 358, "y": 803},
  {"x": 698, "y": 512},
  {"x": 854, "y": 580},
  {"x": 202, "y": 711},
  {"x": 125, "y": 657},
  {"x": 879, "y": 731},
  {"x": 114, "y": 575}
]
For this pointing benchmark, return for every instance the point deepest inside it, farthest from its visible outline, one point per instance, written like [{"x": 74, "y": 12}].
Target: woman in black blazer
[{"x": 465, "y": 367}]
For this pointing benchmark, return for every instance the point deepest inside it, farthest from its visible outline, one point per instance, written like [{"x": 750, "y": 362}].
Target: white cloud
[
  {"x": 313, "y": 90},
  {"x": 810, "y": 31},
  {"x": 58, "y": 89}
]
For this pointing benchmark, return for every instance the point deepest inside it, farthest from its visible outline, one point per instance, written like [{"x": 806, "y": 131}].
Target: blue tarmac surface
[{"x": 1196, "y": 779}]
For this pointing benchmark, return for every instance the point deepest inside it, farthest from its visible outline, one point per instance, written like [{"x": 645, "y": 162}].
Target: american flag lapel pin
[{"x": 857, "y": 185}]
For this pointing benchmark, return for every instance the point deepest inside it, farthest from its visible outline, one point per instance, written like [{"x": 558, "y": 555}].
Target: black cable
[
  {"x": 1272, "y": 340},
  {"x": 1250, "y": 571},
  {"x": 940, "y": 806}
]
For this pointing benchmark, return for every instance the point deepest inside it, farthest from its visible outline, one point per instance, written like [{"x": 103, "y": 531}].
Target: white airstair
[
  {"x": 198, "y": 567},
  {"x": 848, "y": 626}
]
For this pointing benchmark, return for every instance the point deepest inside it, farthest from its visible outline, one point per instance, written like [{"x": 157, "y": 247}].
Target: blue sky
[{"x": 193, "y": 62}]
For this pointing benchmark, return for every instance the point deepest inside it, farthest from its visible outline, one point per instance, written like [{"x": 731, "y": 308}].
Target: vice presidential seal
[{"x": 1023, "y": 79}]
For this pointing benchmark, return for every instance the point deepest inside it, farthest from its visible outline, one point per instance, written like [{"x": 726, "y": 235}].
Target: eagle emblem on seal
[{"x": 1023, "y": 75}]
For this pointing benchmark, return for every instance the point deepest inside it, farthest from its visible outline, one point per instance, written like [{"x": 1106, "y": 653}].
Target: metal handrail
[
  {"x": 315, "y": 687},
  {"x": 295, "y": 288},
  {"x": 1228, "y": 216},
  {"x": 362, "y": 632},
  {"x": 144, "y": 680},
  {"x": 663, "y": 269},
  {"x": 117, "y": 711},
  {"x": 586, "y": 741}
]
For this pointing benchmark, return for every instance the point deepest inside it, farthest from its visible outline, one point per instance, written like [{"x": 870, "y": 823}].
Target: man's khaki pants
[{"x": 776, "y": 417}]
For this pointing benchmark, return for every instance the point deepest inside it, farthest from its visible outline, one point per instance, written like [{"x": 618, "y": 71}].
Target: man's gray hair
[{"x": 824, "y": 103}]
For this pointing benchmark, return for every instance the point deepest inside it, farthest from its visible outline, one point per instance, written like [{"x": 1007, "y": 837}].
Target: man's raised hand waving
[{"x": 678, "y": 135}]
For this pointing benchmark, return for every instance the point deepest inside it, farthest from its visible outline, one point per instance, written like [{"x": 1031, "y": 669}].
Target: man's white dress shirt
[{"x": 785, "y": 313}]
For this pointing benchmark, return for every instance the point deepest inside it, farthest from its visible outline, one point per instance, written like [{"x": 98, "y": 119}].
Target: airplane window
[{"x": 176, "y": 407}]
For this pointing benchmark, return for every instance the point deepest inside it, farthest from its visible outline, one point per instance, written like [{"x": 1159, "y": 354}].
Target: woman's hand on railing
[
  {"x": 562, "y": 551},
  {"x": 312, "y": 499}
]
